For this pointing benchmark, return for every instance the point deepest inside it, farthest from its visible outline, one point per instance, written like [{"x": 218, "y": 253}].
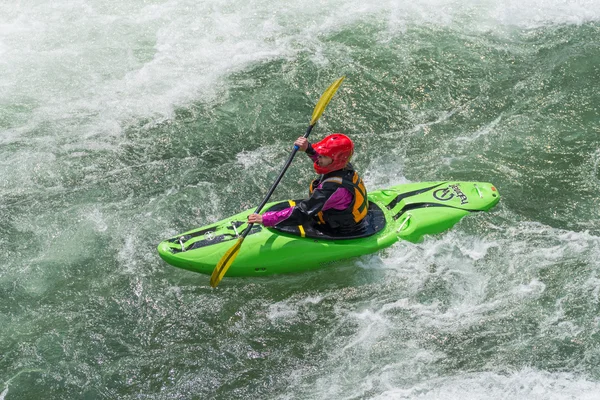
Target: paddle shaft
[{"x": 285, "y": 167}]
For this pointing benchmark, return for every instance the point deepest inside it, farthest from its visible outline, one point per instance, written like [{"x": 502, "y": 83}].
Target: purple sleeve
[
  {"x": 339, "y": 200},
  {"x": 272, "y": 218}
]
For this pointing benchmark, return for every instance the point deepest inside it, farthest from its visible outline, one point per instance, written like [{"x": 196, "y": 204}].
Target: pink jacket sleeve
[{"x": 339, "y": 200}]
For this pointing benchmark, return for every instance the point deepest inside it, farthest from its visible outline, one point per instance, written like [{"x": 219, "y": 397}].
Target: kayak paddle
[{"x": 228, "y": 258}]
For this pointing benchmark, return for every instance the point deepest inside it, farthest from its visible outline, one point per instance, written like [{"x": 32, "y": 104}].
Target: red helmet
[{"x": 337, "y": 146}]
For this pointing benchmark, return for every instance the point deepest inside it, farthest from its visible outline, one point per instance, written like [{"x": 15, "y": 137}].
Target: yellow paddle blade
[
  {"x": 324, "y": 100},
  {"x": 224, "y": 263}
]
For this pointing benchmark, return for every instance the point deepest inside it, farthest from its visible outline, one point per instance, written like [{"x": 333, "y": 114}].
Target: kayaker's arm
[
  {"x": 302, "y": 212},
  {"x": 323, "y": 198},
  {"x": 306, "y": 210}
]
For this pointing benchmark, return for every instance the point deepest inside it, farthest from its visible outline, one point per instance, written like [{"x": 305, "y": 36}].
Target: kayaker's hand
[
  {"x": 255, "y": 219},
  {"x": 302, "y": 143}
]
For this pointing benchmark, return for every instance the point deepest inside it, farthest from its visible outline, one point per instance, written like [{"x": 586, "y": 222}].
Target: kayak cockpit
[{"x": 373, "y": 223}]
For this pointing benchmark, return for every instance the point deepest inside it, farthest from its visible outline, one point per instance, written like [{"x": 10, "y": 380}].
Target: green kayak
[{"x": 408, "y": 211}]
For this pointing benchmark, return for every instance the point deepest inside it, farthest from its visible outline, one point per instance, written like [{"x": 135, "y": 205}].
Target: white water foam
[
  {"x": 526, "y": 384},
  {"x": 74, "y": 74},
  {"x": 468, "y": 268},
  {"x": 90, "y": 67},
  {"x": 88, "y": 74},
  {"x": 281, "y": 311}
]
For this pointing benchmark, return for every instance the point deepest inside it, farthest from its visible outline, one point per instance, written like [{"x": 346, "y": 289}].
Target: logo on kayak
[{"x": 446, "y": 194}]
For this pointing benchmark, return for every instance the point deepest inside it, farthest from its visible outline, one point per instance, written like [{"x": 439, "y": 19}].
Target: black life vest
[{"x": 351, "y": 217}]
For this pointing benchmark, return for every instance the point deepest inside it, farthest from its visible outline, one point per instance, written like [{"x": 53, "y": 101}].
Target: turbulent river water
[{"x": 124, "y": 123}]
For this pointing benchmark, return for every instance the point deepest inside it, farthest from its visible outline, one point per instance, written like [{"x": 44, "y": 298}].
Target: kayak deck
[{"x": 373, "y": 223}]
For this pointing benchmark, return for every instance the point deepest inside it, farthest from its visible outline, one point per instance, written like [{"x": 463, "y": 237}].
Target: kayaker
[{"x": 338, "y": 197}]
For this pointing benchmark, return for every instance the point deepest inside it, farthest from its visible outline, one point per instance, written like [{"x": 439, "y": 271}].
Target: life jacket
[{"x": 356, "y": 210}]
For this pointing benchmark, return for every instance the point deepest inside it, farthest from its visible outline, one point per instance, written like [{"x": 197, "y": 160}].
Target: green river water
[{"x": 122, "y": 124}]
